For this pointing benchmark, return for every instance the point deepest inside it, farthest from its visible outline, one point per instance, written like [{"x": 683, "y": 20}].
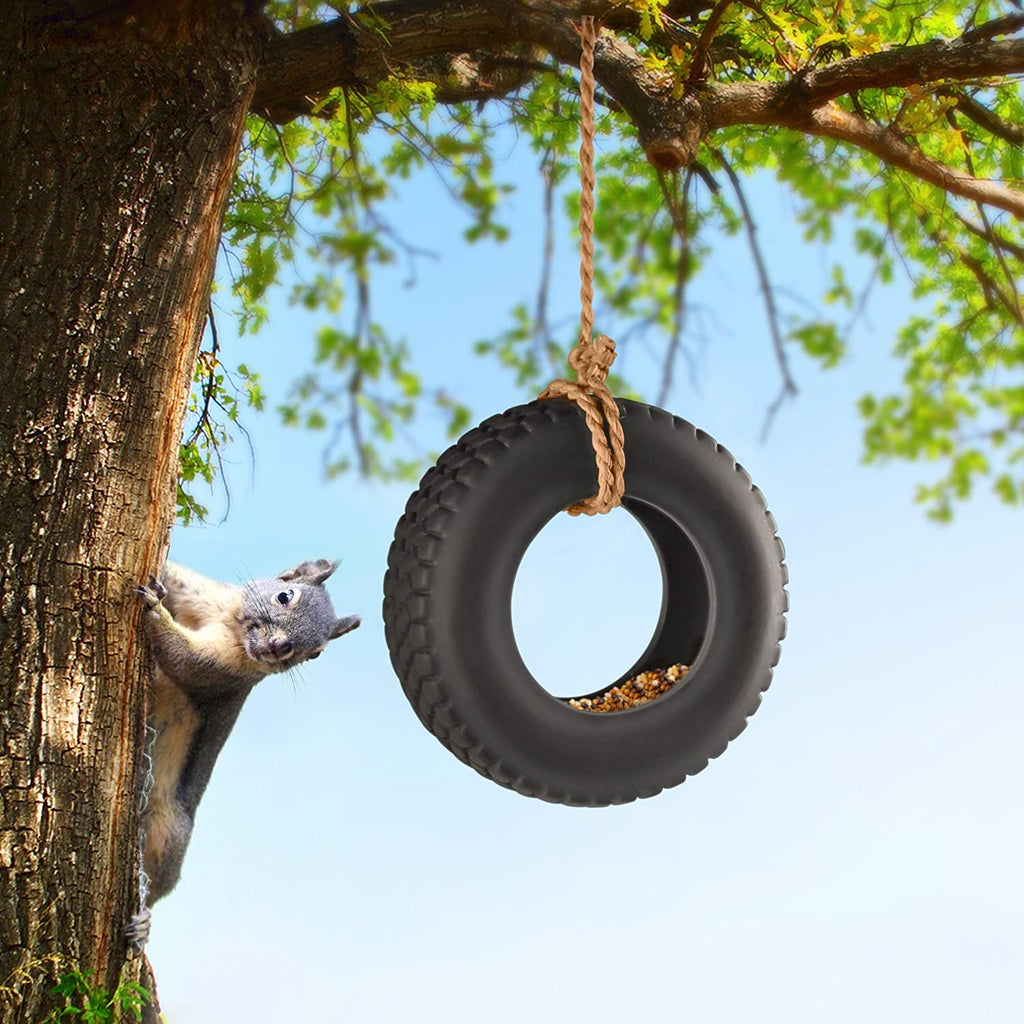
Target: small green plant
[{"x": 91, "y": 1004}]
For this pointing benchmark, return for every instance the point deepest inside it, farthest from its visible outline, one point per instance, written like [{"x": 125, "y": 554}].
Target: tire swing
[{"x": 459, "y": 543}]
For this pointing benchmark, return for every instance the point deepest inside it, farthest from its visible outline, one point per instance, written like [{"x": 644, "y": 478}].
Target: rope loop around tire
[{"x": 591, "y": 394}]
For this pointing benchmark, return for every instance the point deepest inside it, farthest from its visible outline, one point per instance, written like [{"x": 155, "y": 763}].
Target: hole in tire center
[{"x": 586, "y": 601}]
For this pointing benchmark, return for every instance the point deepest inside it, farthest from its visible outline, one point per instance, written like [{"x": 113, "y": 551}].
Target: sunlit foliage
[{"x": 310, "y": 206}]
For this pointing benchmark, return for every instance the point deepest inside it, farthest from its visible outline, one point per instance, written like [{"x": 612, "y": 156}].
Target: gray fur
[
  {"x": 305, "y": 623},
  {"x": 213, "y": 643}
]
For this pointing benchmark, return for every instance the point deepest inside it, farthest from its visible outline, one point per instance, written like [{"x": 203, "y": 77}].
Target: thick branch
[
  {"x": 301, "y": 68},
  {"x": 361, "y": 49},
  {"x": 938, "y": 60},
  {"x": 834, "y": 122}
]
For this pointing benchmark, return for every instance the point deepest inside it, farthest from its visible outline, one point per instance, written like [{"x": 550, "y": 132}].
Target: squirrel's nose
[{"x": 282, "y": 648}]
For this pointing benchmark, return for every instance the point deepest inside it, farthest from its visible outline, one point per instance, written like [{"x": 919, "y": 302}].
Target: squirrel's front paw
[{"x": 153, "y": 594}]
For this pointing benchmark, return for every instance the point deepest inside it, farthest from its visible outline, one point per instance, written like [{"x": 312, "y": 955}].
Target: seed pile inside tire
[{"x": 641, "y": 689}]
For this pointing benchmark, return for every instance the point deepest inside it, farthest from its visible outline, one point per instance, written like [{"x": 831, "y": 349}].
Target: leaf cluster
[
  {"x": 311, "y": 205},
  {"x": 92, "y": 1004}
]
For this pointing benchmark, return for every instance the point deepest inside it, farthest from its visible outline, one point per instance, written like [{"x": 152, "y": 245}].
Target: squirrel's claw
[
  {"x": 152, "y": 594},
  {"x": 136, "y": 931}
]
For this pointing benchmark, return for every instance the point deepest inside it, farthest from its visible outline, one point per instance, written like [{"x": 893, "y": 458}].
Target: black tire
[{"x": 448, "y": 595}]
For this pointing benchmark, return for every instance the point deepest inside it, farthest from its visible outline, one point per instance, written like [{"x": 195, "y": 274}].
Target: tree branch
[
  {"x": 357, "y": 51},
  {"x": 834, "y": 122},
  {"x": 985, "y": 118},
  {"x": 993, "y": 237},
  {"x": 698, "y": 63},
  {"x": 1003, "y": 26},
  {"x": 939, "y": 60},
  {"x": 677, "y": 201},
  {"x": 491, "y": 44},
  {"x": 788, "y": 387}
]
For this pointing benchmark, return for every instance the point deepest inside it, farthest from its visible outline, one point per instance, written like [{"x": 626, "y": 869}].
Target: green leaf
[{"x": 313, "y": 213}]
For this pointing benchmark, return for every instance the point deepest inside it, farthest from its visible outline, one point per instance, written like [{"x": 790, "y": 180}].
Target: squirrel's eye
[
  {"x": 285, "y": 597},
  {"x": 315, "y": 654}
]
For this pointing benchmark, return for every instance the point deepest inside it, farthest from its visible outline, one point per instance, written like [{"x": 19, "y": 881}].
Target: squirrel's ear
[
  {"x": 345, "y": 625},
  {"x": 310, "y": 572}
]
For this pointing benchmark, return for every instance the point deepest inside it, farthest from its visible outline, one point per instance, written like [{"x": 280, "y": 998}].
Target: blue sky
[{"x": 854, "y": 855}]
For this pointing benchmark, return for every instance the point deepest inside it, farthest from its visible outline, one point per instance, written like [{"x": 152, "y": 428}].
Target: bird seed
[{"x": 641, "y": 689}]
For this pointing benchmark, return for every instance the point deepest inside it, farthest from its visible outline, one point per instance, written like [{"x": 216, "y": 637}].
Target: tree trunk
[{"x": 119, "y": 130}]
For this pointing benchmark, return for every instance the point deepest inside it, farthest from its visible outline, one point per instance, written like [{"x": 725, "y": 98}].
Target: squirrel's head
[{"x": 289, "y": 619}]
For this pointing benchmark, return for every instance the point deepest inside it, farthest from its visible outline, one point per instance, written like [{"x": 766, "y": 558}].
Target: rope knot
[
  {"x": 592, "y": 362},
  {"x": 591, "y": 394}
]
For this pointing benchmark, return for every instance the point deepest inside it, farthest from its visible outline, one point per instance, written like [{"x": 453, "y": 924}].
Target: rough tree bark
[
  {"x": 119, "y": 129},
  {"x": 120, "y": 123}
]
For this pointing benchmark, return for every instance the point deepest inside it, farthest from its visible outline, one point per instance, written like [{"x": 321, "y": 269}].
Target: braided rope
[
  {"x": 588, "y": 39},
  {"x": 592, "y": 361}
]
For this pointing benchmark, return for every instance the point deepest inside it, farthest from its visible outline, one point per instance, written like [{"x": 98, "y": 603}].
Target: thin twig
[
  {"x": 706, "y": 176},
  {"x": 541, "y": 331},
  {"x": 698, "y": 65},
  {"x": 990, "y": 235},
  {"x": 1013, "y": 294},
  {"x": 985, "y": 118},
  {"x": 789, "y": 388},
  {"x": 677, "y": 201},
  {"x": 208, "y": 387}
]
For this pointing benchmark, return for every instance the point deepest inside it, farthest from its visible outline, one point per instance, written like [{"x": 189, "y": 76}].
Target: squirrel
[{"x": 212, "y": 643}]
